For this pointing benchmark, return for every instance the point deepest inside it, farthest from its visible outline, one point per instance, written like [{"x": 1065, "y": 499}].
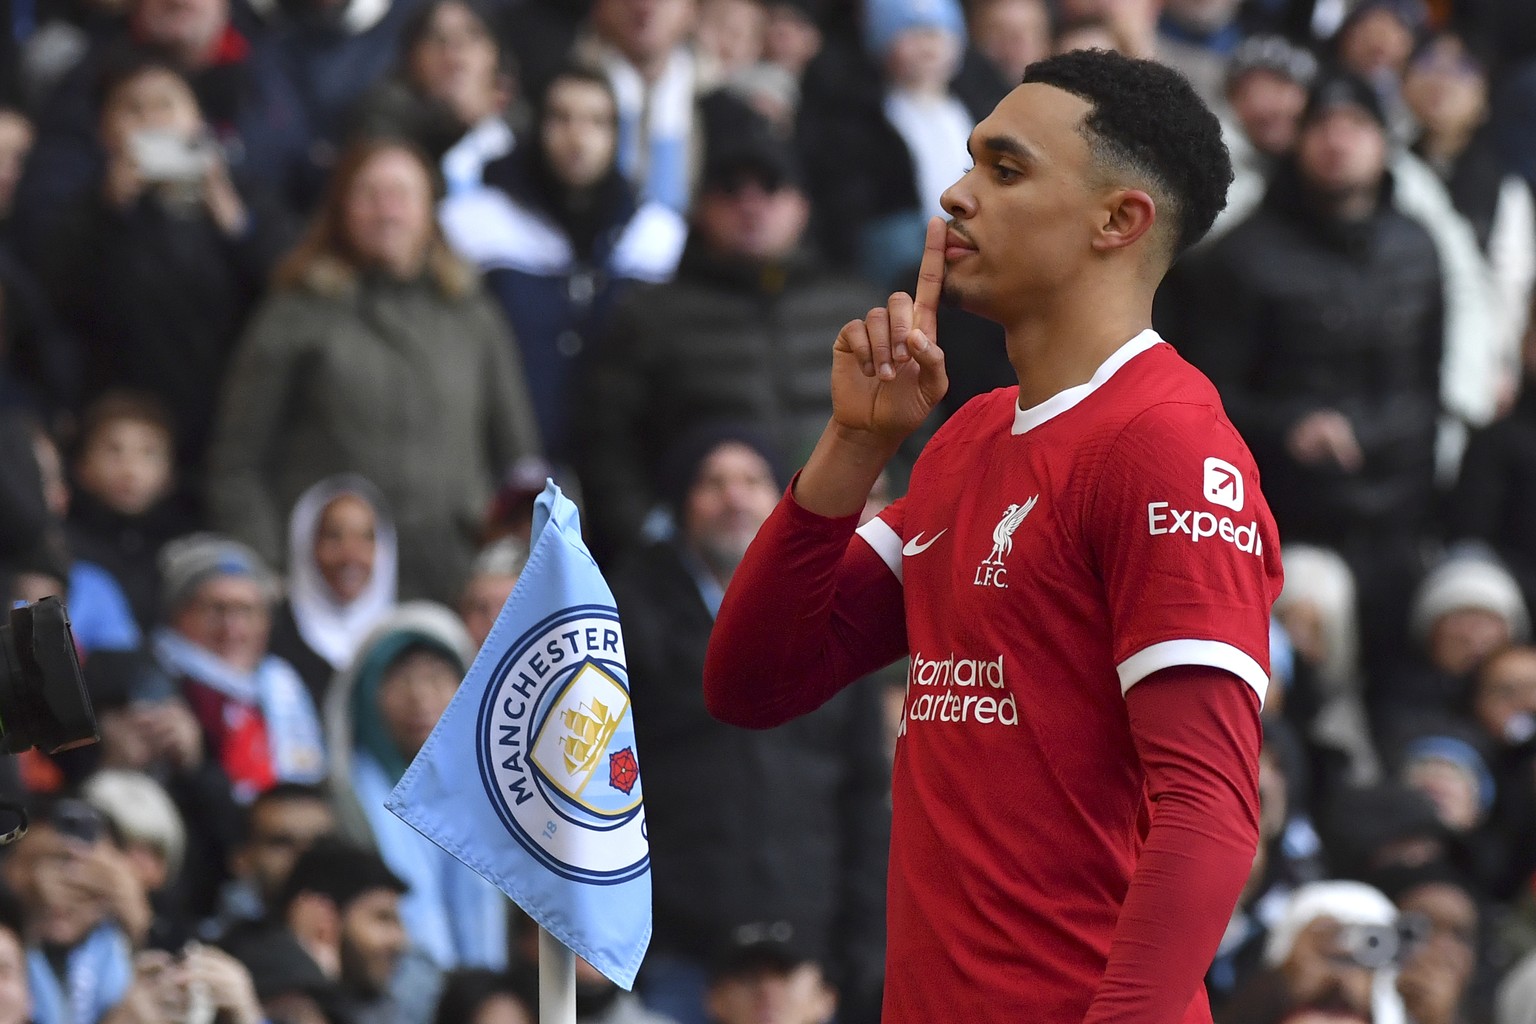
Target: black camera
[{"x": 43, "y": 702}]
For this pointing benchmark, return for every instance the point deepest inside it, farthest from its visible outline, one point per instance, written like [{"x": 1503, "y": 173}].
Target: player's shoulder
[{"x": 1165, "y": 406}]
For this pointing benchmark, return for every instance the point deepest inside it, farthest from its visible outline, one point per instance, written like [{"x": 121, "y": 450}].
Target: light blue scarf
[
  {"x": 97, "y": 974},
  {"x": 293, "y": 727}
]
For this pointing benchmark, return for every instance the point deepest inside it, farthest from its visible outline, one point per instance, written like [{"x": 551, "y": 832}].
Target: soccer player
[{"x": 1081, "y": 572}]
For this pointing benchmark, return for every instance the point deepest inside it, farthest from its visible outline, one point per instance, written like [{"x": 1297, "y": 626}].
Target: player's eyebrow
[{"x": 1008, "y": 146}]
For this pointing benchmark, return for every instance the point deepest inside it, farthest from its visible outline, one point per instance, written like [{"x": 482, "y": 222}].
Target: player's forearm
[
  {"x": 805, "y": 614},
  {"x": 1197, "y": 732},
  {"x": 842, "y": 470}
]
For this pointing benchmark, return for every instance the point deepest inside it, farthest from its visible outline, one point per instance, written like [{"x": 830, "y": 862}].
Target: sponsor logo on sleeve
[{"x": 1223, "y": 484}]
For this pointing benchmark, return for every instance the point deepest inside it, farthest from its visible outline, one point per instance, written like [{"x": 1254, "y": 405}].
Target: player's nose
[{"x": 959, "y": 201}]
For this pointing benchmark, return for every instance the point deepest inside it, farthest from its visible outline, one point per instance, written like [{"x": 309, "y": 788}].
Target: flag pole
[{"x": 557, "y": 981}]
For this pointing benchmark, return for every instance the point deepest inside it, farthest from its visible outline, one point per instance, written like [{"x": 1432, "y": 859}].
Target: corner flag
[{"x": 531, "y": 776}]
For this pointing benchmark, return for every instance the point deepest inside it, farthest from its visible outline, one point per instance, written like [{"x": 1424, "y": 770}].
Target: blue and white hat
[{"x": 884, "y": 20}]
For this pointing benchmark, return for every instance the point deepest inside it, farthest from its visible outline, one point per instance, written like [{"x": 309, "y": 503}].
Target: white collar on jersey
[{"x": 1028, "y": 419}]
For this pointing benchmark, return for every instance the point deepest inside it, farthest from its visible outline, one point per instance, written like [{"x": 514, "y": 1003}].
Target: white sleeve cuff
[
  {"x": 878, "y": 534},
  {"x": 1209, "y": 653}
]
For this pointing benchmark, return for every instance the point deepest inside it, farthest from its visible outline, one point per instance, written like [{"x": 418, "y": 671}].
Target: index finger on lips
[{"x": 930, "y": 278}]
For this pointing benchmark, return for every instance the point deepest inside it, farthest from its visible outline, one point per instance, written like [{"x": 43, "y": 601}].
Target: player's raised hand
[{"x": 887, "y": 369}]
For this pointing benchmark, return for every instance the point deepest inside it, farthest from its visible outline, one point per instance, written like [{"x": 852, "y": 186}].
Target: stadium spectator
[
  {"x": 252, "y": 110},
  {"x": 377, "y": 353},
  {"x": 758, "y": 978},
  {"x": 122, "y": 510},
  {"x": 1321, "y": 320},
  {"x": 378, "y": 715},
  {"x": 1199, "y": 37},
  {"x": 153, "y": 838},
  {"x": 740, "y": 334},
  {"x": 258, "y": 720},
  {"x": 146, "y": 727},
  {"x": 157, "y": 267},
  {"x": 730, "y": 846},
  {"x": 454, "y": 93},
  {"x": 84, "y": 910},
  {"x": 1011, "y": 34},
  {"x": 167, "y": 988},
  {"x": 342, "y": 904},
  {"x": 15, "y": 994},
  {"x": 1464, "y": 610},
  {"x": 342, "y": 558},
  {"x": 278, "y": 826},
  {"x": 475, "y": 995},
  {"x": 1503, "y": 702},
  {"x": 1440, "y": 968},
  {"x": 1446, "y": 88},
  {"x": 560, "y": 236},
  {"x": 1309, "y": 966},
  {"x": 291, "y": 987},
  {"x": 641, "y": 45},
  {"x": 492, "y": 576},
  {"x": 792, "y": 38},
  {"x": 98, "y": 609},
  {"x": 729, "y": 36},
  {"x": 1318, "y": 610},
  {"x": 333, "y": 53},
  {"x": 1375, "y": 42}
]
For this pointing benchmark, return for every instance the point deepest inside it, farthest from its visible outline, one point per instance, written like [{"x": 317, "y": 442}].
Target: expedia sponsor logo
[
  {"x": 1198, "y": 526},
  {"x": 957, "y": 689},
  {"x": 557, "y": 749}
]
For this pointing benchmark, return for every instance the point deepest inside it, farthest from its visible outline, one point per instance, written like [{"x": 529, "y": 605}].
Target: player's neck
[{"x": 1052, "y": 353}]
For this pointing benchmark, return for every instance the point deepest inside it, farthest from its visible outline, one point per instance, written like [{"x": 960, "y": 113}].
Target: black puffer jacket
[
  {"x": 1293, "y": 313},
  {"x": 725, "y": 340}
]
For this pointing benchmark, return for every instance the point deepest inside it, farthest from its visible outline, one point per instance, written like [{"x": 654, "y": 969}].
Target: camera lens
[{"x": 43, "y": 702}]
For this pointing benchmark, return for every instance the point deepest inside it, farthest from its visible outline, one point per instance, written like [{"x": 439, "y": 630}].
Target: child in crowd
[{"x": 122, "y": 511}]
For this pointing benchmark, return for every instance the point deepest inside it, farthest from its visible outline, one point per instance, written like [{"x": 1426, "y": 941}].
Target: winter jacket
[
  {"x": 752, "y": 827},
  {"x": 725, "y": 340},
  {"x": 1299, "y": 313},
  {"x": 126, "y": 546},
  {"x": 159, "y": 296},
  {"x": 557, "y": 299},
  {"x": 414, "y": 385}
]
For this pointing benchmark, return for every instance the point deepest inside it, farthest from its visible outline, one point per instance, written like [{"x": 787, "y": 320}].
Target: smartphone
[
  {"x": 78, "y": 820},
  {"x": 169, "y": 157}
]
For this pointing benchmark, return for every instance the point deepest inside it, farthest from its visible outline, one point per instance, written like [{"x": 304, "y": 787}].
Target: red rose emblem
[{"x": 623, "y": 771}]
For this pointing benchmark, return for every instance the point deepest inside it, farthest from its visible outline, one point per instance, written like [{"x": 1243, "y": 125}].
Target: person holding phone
[
  {"x": 158, "y": 267},
  {"x": 83, "y": 911},
  {"x": 1081, "y": 572}
]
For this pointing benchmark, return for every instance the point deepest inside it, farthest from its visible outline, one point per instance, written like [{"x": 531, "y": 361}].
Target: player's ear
[{"x": 1128, "y": 214}]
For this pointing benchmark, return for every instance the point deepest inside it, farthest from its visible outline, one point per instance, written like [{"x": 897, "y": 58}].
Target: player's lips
[{"x": 957, "y": 246}]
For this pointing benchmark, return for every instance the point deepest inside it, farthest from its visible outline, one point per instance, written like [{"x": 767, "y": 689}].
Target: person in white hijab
[{"x": 342, "y": 558}]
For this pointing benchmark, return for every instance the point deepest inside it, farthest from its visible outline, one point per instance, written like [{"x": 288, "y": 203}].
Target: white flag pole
[{"x": 557, "y": 981}]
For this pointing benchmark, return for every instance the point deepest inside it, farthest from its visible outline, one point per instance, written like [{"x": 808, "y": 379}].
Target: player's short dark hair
[{"x": 1147, "y": 120}]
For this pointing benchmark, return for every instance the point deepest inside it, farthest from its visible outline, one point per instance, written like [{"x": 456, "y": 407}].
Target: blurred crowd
[{"x": 301, "y": 301}]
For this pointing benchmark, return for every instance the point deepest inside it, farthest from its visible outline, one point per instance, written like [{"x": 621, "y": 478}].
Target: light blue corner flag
[{"x": 531, "y": 776}]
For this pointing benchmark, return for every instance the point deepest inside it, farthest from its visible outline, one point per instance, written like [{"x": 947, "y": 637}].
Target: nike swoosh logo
[{"x": 916, "y": 546}]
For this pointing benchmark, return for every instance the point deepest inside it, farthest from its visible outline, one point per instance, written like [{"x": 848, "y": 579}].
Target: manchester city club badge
[{"x": 557, "y": 748}]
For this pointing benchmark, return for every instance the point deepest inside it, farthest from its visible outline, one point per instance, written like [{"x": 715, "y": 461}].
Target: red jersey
[{"x": 1044, "y": 562}]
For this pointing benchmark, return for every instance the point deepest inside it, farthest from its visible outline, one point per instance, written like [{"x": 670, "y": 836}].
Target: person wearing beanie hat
[
  {"x": 1310, "y": 971},
  {"x": 886, "y": 20},
  {"x": 1466, "y": 608},
  {"x": 378, "y": 714},
  {"x": 258, "y": 719},
  {"x": 1267, "y": 79},
  {"x": 717, "y": 797}
]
